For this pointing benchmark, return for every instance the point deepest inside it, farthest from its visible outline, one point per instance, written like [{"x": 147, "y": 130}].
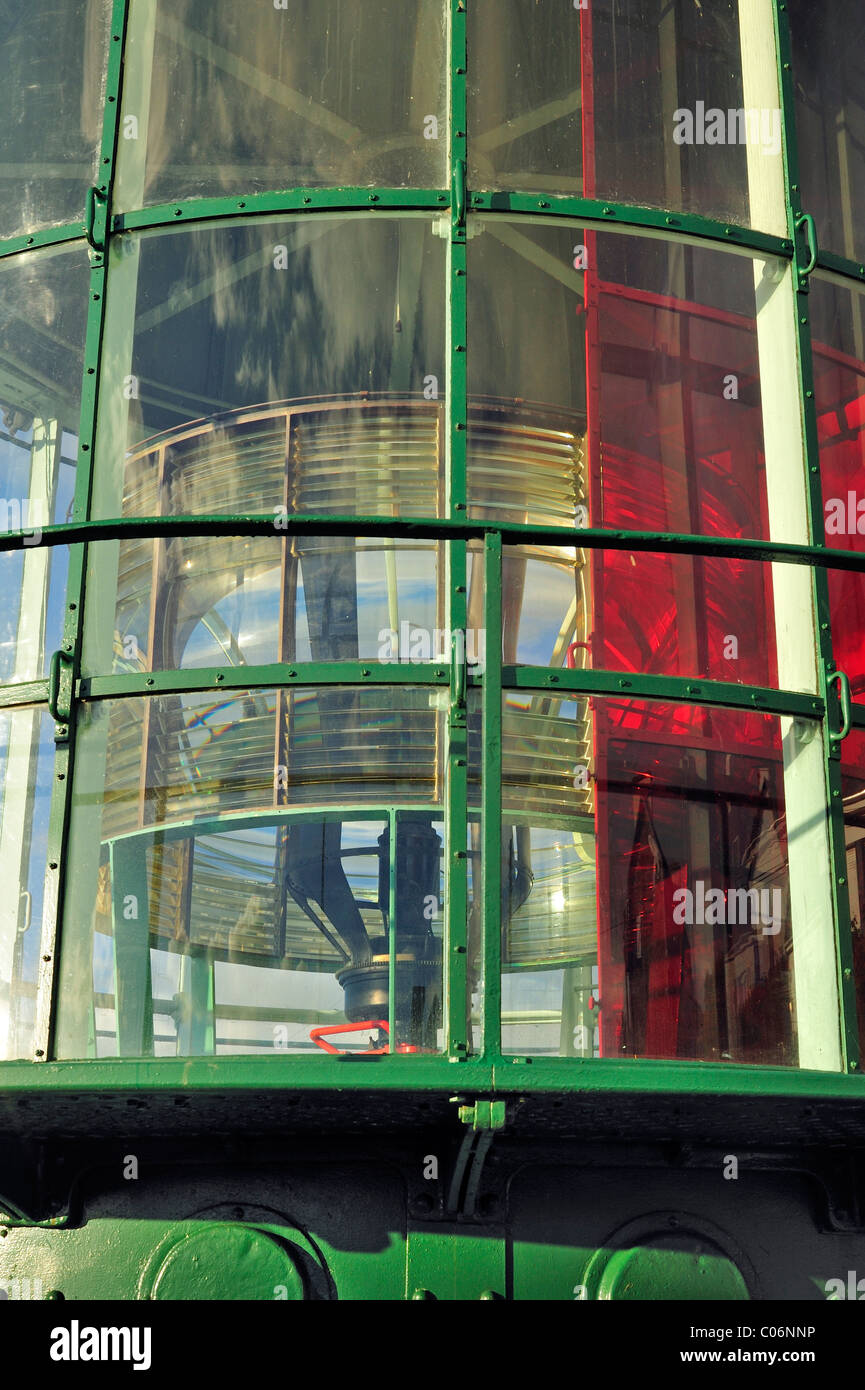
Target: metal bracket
[
  {"x": 485, "y": 1118},
  {"x": 804, "y": 270},
  {"x": 836, "y": 739},
  {"x": 96, "y": 220},
  {"x": 484, "y": 1114},
  {"x": 60, "y": 692}
]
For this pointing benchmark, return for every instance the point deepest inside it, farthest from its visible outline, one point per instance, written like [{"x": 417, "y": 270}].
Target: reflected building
[{"x": 434, "y": 646}]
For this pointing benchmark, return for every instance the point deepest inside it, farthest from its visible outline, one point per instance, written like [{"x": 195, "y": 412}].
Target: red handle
[
  {"x": 317, "y": 1034},
  {"x": 571, "y": 659}
]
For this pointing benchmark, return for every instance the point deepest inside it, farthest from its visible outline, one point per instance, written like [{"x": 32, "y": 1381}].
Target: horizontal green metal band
[
  {"x": 599, "y": 212},
  {"x": 530, "y": 678},
  {"x": 665, "y": 688},
  {"x": 433, "y": 529},
  {"x": 53, "y": 236},
  {"x": 312, "y": 673},
  {"x": 30, "y": 693},
  {"x": 290, "y": 200},
  {"x": 632, "y": 1074},
  {"x": 413, "y": 1074},
  {"x": 839, "y": 265},
  {"x": 356, "y": 199}
]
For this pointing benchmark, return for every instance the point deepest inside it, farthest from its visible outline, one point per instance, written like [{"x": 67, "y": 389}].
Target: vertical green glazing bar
[
  {"x": 456, "y": 307},
  {"x": 456, "y": 819},
  {"x": 456, "y": 777},
  {"x": 491, "y": 798},
  {"x": 393, "y": 831},
  {"x": 58, "y": 826},
  {"x": 825, "y": 657}
]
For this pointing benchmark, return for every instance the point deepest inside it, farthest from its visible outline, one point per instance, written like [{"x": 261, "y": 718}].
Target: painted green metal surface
[{"x": 430, "y": 528}]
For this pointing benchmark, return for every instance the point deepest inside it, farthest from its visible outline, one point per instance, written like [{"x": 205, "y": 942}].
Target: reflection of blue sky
[{"x": 250, "y": 613}]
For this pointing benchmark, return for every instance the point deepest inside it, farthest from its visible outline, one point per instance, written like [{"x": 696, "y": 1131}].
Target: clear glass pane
[
  {"x": 198, "y": 831},
  {"x": 664, "y": 615},
  {"x": 649, "y": 904},
  {"x": 623, "y": 393},
  {"x": 26, "y": 768},
  {"x": 197, "y": 601},
  {"x": 52, "y": 74},
  {"x": 234, "y": 99},
  {"x": 838, "y": 317},
  {"x": 830, "y": 118},
  {"x": 43, "y": 313},
  {"x": 265, "y": 374},
  {"x": 640, "y": 102}
]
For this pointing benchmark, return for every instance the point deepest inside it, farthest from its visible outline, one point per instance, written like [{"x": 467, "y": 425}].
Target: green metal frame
[{"x": 67, "y": 686}]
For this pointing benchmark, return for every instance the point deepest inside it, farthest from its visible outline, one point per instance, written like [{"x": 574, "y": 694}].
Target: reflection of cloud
[{"x": 323, "y": 325}]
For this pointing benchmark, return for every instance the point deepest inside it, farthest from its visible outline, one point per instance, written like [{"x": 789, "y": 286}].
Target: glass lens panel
[
  {"x": 26, "y": 768},
  {"x": 52, "y": 75},
  {"x": 264, "y": 374},
  {"x": 853, "y": 785},
  {"x": 226, "y": 98},
  {"x": 623, "y": 393},
  {"x": 838, "y": 316},
  {"x": 640, "y": 101},
  {"x": 197, "y": 832},
  {"x": 664, "y": 615},
  {"x": 43, "y": 312},
  {"x": 199, "y": 601},
  {"x": 828, "y": 41},
  {"x": 648, "y": 903}
]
